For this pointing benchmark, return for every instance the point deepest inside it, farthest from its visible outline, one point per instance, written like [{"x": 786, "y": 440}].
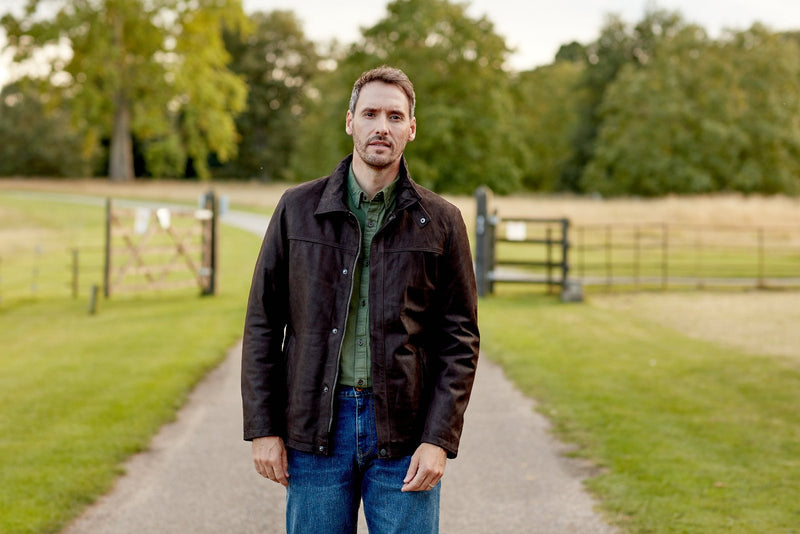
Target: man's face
[{"x": 381, "y": 125}]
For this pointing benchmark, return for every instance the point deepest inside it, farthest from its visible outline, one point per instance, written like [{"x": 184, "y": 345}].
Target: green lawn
[
  {"x": 80, "y": 393},
  {"x": 690, "y": 437}
]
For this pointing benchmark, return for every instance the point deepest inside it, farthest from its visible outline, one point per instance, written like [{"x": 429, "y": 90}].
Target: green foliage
[
  {"x": 650, "y": 108},
  {"x": 465, "y": 113},
  {"x": 617, "y": 46},
  {"x": 276, "y": 61},
  {"x": 668, "y": 110},
  {"x": 680, "y": 428},
  {"x": 549, "y": 98},
  {"x": 322, "y": 141},
  {"x": 36, "y": 138},
  {"x": 702, "y": 116},
  {"x": 154, "y": 69}
]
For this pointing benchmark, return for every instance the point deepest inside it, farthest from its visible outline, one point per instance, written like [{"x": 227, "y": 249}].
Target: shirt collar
[{"x": 357, "y": 195}]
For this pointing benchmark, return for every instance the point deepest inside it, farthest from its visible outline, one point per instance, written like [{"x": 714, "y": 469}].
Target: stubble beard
[{"x": 377, "y": 161}]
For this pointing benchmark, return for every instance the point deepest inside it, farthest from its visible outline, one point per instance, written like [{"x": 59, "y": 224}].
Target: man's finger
[{"x": 412, "y": 469}]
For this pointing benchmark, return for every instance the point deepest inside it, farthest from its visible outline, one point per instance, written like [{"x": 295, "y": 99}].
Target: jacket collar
[{"x": 333, "y": 196}]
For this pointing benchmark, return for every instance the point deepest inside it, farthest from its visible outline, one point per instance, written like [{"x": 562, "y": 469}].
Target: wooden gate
[{"x": 151, "y": 248}]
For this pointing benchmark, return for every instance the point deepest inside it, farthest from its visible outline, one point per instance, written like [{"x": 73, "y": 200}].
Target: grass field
[
  {"x": 692, "y": 430},
  {"x": 80, "y": 393},
  {"x": 686, "y": 402}
]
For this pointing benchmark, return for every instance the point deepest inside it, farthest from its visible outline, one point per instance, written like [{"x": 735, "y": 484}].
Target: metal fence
[
  {"x": 555, "y": 252},
  {"x": 683, "y": 255}
]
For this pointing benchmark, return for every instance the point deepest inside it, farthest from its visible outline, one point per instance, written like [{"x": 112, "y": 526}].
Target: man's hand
[
  {"x": 270, "y": 459},
  {"x": 426, "y": 468}
]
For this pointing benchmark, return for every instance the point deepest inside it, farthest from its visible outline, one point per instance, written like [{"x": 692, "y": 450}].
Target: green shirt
[{"x": 355, "y": 361}]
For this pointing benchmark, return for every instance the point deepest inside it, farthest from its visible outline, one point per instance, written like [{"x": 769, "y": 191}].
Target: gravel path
[{"x": 197, "y": 476}]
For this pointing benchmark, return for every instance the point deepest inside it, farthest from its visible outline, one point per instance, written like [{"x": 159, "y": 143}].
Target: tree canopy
[
  {"x": 178, "y": 88},
  {"x": 153, "y": 69}
]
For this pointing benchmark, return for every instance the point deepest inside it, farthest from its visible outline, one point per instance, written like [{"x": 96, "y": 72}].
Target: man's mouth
[{"x": 379, "y": 143}]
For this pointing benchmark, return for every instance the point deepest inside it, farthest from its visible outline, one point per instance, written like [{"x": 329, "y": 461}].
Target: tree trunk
[
  {"x": 120, "y": 160},
  {"x": 120, "y": 164}
]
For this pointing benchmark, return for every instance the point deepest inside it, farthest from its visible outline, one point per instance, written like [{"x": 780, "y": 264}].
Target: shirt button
[
  {"x": 360, "y": 342},
  {"x": 360, "y": 382},
  {"x": 363, "y": 303},
  {"x": 371, "y": 224},
  {"x": 366, "y": 263}
]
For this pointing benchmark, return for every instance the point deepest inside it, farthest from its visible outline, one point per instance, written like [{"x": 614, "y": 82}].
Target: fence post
[
  {"x": 609, "y": 271},
  {"x": 564, "y": 252},
  {"x": 75, "y": 272},
  {"x": 761, "y": 284},
  {"x": 483, "y": 229},
  {"x": 210, "y": 245},
  {"x": 93, "y": 299},
  {"x": 664, "y": 255},
  {"x": 698, "y": 257},
  {"x": 549, "y": 239},
  {"x": 637, "y": 238},
  {"x": 107, "y": 263},
  {"x": 582, "y": 246}
]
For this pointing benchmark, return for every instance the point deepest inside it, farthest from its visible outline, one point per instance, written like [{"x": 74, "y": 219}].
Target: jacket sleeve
[
  {"x": 457, "y": 343},
  {"x": 263, "y": 366}
]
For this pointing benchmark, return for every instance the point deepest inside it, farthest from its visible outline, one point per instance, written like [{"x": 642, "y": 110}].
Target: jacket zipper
[{"x": 344, "y": 326}]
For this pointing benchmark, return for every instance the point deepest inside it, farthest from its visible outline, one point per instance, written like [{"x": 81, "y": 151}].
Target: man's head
[
  {"x": 388, "y": 75},
  {"x": 380, "y": 118}
]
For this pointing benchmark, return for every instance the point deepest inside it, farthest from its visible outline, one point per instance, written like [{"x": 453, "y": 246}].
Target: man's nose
[{"x": 382, "y": 125}]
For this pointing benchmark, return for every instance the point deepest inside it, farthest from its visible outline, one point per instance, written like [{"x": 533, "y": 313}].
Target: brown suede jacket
[{"x": 423, "y": 319}]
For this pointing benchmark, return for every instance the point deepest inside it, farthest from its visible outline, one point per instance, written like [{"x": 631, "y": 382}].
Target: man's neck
[{"x": 373, "y": 180}]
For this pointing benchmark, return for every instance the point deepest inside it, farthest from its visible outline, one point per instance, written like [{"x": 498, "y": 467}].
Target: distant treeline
[{"x": 200, "y": 90}]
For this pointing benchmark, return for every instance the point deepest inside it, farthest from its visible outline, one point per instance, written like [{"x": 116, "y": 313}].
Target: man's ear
[
  {"x": 413, "y": 133},
  {"x": 348, "y": 123}
]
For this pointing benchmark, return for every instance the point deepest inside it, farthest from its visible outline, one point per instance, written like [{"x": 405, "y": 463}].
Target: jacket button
[
  {"x": 383, "y": 453},
  {"x": 335, "y": 331},
  {"x": 321, "y": 448},
  {"x": 325, "y": 389},
  {"x": 422, "y": 220},
  {"x": 344, "y": 271}
]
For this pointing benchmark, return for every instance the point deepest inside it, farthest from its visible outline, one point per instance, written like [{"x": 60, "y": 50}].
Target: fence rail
[
  {"x": 41, "y": 272},
  {"x": 147, "y": 248},
  {"x": 682, "y": 255},
  {"x": 632, "y": 256}
]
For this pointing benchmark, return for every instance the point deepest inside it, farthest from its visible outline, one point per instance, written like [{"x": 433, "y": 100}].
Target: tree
[
  {"x": 36, "y": 137},
  {"x": 702, "y": 116},
  {"x": 465, "y": 115},
  {"x": 546, "y": 112},
  {"x": 277, "y": 62},
  {"x": 617, "y": 46},
  {"x": 150, "y": 68},
  {"x": 650, "y": 119}
]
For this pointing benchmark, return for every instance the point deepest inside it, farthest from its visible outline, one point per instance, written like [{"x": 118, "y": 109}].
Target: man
[{"x": 361, "y": 336}]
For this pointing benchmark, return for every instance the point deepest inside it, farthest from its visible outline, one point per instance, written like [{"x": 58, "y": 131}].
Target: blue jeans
[{"x": 325, "y": 492}]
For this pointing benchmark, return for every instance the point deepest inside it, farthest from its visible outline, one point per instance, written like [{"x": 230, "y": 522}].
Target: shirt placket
[{"x": 362, "y": 371}]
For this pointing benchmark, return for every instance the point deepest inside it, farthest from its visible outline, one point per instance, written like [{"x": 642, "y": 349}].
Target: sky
[
  {"x": 536, "y": 28},
  {"x": 533, "y": 28}
]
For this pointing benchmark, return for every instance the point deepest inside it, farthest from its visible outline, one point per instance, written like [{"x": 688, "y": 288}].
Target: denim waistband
[{"x": 352, "y": 391}]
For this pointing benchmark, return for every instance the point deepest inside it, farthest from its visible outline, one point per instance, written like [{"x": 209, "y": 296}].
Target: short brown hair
[{"x": 389, "y": 75}]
